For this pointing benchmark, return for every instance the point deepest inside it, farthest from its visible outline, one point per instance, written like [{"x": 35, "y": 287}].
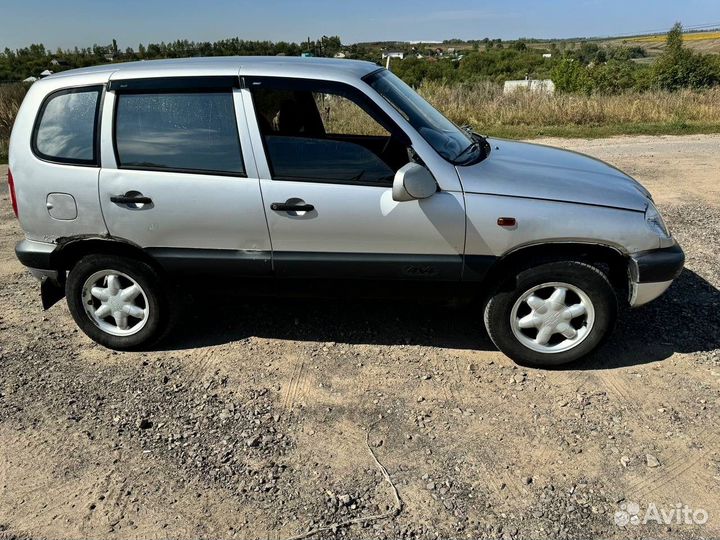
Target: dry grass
[
  {"x": 340, "y": 115},
  {"x": 485, "y": 107},
  {"x": 11, "y": 95},
  {"x": 661, "y": 38}
]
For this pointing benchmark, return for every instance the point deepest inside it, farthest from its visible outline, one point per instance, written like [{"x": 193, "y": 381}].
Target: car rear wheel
[
  {"x": 552, "y": 314},
  {"x": 117, "y": 302}
]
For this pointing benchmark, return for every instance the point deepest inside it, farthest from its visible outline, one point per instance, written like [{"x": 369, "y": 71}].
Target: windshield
[{"x": 452, "y": 143}]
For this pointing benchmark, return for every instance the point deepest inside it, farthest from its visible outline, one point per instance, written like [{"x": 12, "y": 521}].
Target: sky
[{"x": 68, "y": 23}]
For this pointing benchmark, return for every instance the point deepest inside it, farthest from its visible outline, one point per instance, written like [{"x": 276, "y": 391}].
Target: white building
[
  {"x": 545, "y": 86},
  {"x": 393, "y": 54}
]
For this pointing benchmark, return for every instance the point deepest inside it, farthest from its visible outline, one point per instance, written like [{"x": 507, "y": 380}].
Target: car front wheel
[{"x": 552, "y": 314}]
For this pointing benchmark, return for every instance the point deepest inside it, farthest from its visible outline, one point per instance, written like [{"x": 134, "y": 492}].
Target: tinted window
[
  {"x": 66, "y": 126},
  {"x": 310, "y": 159},
  {"x": 178, "y": 131},
  {"x": 325, "y": 132}
]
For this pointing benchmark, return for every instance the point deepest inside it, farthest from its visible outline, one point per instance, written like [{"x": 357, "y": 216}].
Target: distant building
[
  {"x": 46, "y": 73},
  {"x": 547, "y": 55},
  {"x": 545, "y": 86},
  {"x": 30, "y": 80},
  {"x": 340, "y": 55},
  {"x": 393, "y": 54},
  {"x": 56, "y": 62},
  {"x": 307, "y": 54}
]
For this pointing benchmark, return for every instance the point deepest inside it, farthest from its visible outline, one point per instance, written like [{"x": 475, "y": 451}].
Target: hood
[{"x": 536, "y": 171}]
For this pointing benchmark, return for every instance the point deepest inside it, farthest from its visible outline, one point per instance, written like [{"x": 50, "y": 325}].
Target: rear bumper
[
  {"x": 652, "y": 272},
  {"x": 37, "y": 256}
]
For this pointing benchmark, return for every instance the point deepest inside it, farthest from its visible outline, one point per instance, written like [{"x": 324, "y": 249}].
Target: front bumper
[{"x": 652, "y": 272}]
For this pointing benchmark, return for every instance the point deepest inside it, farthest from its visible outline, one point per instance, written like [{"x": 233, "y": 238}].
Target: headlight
[{"x": 655, "y": 221}]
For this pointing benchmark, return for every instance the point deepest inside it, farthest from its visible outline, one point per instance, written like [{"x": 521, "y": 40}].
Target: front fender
[{"x": 541, "y": 221}]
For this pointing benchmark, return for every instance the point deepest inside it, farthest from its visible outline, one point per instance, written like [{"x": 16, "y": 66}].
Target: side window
[
  {"x": 341, "y": 116},
  {"x": 178, "y": 131},
  {"x": 66, "y": 127},
  {"x": 317, "y": 131}
]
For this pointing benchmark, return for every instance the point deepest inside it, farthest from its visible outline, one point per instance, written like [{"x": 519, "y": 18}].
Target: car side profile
[{"x": 126, "y": 177}]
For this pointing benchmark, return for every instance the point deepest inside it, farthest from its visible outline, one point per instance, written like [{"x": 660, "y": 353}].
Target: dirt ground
[{"x": 251, "y": 420}]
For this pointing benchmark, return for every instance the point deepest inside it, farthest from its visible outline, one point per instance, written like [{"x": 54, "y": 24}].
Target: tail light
[{"x": 13, "y": 198}]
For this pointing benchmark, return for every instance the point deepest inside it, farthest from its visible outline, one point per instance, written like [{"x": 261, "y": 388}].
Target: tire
[
  {"x": 576, "y": 320},
  {"x": 130, "y": 289}
]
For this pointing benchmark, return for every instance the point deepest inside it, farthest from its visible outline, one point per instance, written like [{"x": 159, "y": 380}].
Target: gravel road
[{"x": 251, "y": 420}]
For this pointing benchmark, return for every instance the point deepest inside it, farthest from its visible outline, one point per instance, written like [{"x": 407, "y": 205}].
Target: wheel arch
[
  {"x": 607, "y": 257},
  {"x": 70, "y": 250}
]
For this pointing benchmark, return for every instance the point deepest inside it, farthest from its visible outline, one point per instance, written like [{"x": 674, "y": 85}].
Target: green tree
[
  {"x": 679, "y": 67},
  {"x": 569, "y": 75}
]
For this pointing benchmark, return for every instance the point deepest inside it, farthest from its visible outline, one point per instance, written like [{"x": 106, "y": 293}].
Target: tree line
[
  {"x": 587, "y": 68},
  {"x": 16, "y": 65}
]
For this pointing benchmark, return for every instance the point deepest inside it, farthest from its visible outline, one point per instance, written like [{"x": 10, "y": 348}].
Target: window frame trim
[
  {"x": 395, "y": 127},
  {"x": 184, "y": 88},
  {"x": 95, "y": 161}
]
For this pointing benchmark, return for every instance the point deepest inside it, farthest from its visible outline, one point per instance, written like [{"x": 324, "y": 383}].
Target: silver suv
[{"x": 126, "y": 177}]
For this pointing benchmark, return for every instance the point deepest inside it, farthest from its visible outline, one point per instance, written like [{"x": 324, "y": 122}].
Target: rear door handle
[
  {"x": 130, "y": 199},
  {"x": 291, "y": 207}
]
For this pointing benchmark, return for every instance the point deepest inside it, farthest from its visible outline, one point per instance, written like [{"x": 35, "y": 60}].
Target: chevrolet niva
[{"x": 125, "y": 177}]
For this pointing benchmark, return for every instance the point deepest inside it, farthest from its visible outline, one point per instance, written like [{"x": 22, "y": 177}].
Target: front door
[
  {"x": 331, "y": 156},
  {"x": 178, "y": 185}
]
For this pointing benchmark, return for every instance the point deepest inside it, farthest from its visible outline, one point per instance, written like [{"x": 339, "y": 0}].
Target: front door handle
[
  {"x": 130, "y": 199},
  {"x": 291, "y": 207}
]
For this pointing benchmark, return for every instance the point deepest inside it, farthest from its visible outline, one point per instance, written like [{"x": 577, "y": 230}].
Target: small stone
[
  {"x": 651, "y": 461},
  {"x": 430, "y": 486},
  {"x": 344, "y": 499},
  {"x": 144, "y": 423},
  {"x": 420, "y": 399},
  {"x": 624, "y": 461},
  {"x": 527, "y": 480},
  {"x": 253, "y": 441}
]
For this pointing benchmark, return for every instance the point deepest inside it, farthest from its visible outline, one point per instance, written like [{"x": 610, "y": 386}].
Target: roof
[{"x": 231, "y": 65}]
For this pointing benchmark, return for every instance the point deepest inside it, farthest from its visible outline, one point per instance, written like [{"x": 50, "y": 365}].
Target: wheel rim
[
  {"x": 552, "y": 317},
  {"x": 115, "y": 303}
]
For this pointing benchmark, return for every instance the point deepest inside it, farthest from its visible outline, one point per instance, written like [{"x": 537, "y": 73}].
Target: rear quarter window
[{"x": 66, "y": 126}]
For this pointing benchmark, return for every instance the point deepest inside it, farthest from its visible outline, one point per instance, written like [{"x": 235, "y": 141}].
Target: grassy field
[
  {"x": 523, "y": 115},
  {"x": 528, "y": 115},
  {"x": 661, "y": 38}
]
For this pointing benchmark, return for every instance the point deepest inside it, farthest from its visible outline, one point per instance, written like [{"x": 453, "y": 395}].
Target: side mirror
[{"x": 412, "y": 182}]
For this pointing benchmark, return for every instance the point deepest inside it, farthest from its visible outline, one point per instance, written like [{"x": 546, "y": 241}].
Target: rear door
[
  {"x": 327, "y": 156},
  {"x": 177, "y": 175}
]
